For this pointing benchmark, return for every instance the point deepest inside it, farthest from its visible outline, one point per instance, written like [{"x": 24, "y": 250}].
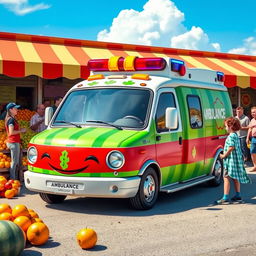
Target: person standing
[
  {"x": 251, "y": 136},
  {"x": 57, "y": 101},
  {"x": 13, "y": 138},
  {"x": 47, "y": 103},
  {"x": 242, "y": 134},
  {"x": 37, "y": 120},
  {"x": 233, "y": 162}
]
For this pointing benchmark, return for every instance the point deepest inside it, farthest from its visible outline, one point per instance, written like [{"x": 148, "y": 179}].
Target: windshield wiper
[
  {"x": 102, "y": 122},
  {"x": 66, "y": 122}
]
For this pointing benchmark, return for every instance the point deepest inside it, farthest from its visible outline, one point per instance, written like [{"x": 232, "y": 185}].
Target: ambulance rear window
[{"x": 195, "y": 111}]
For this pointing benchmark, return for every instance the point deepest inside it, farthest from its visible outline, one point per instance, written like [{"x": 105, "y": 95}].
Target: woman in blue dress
[{"x": 233, "y": 162}]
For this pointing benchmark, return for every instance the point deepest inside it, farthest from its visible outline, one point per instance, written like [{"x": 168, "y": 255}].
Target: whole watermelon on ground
[{"x": 12, "y": 240}]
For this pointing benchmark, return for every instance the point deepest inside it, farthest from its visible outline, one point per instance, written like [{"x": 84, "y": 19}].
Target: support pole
[
  {"x": 39, "y": 90},
  {"x": 239, "y": 96}
]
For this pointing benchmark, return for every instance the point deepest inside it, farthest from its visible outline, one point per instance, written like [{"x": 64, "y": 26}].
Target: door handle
[
  {"x": 158, "y": 138},
  {"x": 180, "y": 140}
]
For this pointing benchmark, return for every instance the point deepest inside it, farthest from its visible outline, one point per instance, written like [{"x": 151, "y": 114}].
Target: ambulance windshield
[{"x": 116, "y": 107}]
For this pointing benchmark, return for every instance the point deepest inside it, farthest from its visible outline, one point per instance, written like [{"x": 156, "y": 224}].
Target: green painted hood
[{"x": 92, "y": 137}]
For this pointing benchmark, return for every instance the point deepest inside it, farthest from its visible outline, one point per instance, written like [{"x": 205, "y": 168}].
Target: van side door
[
  {"x": 193, "y": 133},
  {"x": 169, "y": 145}
]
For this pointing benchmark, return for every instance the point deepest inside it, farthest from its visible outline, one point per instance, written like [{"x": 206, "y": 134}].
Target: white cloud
[
  {"x": 160, "y": 23},
  {"x": 249, "y": 47},
  {"x": 22, "y": 7},
  {"x": 195, "y": 39}
]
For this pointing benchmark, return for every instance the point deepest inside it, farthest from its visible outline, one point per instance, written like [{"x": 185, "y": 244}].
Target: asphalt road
[{"x": 183, "y": 223}]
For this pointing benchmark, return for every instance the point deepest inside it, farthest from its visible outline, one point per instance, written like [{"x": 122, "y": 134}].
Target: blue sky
[{"x": 220, "y": 25}]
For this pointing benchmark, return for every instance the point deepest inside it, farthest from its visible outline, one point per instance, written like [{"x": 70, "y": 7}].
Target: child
[{"x": 233, "y": 162}]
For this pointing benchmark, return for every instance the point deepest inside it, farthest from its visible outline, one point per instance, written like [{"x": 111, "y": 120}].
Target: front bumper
[{"x": 82, "y": 186}]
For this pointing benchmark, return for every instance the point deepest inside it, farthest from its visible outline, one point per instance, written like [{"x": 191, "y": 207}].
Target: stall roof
[{"x": 51, "y": 57}]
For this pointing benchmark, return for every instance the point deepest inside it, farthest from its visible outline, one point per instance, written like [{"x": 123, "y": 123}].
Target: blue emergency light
[
  {"x": 220, "y": 76},
  {"x": 178, "y": 66}
]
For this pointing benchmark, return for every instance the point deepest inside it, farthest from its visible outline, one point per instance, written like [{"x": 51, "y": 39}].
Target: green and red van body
[{"x": 74, "y": 160}]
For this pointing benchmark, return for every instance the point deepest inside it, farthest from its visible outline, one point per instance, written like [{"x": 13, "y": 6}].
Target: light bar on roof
[
  {"x": 178, "y": 66},
  {"x": 130, "y": 63},
  {"x": 220, "y": 76}
]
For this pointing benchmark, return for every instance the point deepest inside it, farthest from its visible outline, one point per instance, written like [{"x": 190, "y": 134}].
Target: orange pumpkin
[
  {"x": 23, "y": 221},
  {"x": 86, "y": 238},
  {"x": 38, "y": 220},
  {"x": 20, "y": 210},
  {"x": 10, "y": 193},
  {"x": 33, "y": 214},
  {"x": 5, "y": 208},
  {"x": 6, "y": 216},
  {"x": 17, "y": 182},
  {"x": 3, "y": 179},
  {"x": 38, "y": 233},
  {"x": 15, "y": 185},
  {"x": 1, "y": 185}
]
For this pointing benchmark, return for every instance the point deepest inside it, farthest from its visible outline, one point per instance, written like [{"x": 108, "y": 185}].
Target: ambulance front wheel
[
  {"x": 217, "y": 173},
  {"x": 52, "y": 199},
  {"x": 148, "y": 191}
]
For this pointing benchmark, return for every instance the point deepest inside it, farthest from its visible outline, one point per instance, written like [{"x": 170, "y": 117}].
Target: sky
[{"x": 219, "y": 25}]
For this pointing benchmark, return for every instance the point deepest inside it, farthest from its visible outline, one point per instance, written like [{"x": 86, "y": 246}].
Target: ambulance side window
[
  {"x": 165, "y": 100},
  {"x": 195, "y": 111}
]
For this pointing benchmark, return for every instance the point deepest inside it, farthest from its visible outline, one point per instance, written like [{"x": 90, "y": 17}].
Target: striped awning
[{"x": 50, "y": 57}]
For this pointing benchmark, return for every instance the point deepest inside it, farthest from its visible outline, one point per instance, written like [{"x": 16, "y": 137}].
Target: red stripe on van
[{"x": 93, "y": 160}]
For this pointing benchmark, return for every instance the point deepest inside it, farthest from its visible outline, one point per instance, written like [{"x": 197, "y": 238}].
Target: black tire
[
  {"x": 148, "y": 191},
  {"x": 217, "y": 173},
  {"x": 52, "y": 199}
]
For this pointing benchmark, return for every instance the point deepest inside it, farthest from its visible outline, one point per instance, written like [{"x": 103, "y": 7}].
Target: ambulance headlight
[
  {"x": 32, "y": 155},
  {"x": 115, "y": 160}
]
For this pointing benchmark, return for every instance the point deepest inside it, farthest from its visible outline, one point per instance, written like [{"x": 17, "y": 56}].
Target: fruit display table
[{"x": 5, "y": 162}]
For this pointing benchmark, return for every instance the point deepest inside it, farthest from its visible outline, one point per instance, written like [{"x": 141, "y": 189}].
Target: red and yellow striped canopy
[{"x": 50, "y": 57}]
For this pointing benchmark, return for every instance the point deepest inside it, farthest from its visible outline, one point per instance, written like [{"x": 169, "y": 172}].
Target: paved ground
[{"x": 184, "y": 223}]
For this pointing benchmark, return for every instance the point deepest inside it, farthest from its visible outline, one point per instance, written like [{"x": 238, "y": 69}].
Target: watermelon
[{"x": 12, "y": 240}]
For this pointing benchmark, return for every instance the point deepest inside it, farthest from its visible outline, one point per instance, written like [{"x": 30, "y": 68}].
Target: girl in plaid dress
[{"x": 233, "y": 162}]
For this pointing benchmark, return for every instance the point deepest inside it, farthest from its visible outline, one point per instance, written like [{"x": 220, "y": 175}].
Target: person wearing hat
[{"x": 13, "y": 137}]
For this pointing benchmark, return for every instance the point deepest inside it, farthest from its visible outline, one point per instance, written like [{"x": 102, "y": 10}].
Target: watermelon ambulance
[{"x": 134, "y": 128}]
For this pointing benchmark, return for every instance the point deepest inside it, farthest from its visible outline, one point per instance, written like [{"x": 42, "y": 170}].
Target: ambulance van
[{"x": 134, "y": 128}]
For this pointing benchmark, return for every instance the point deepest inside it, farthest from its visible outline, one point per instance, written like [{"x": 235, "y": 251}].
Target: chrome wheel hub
[
  {"x": 149, "y": 188},
  {"x": 217, "y": 170}
]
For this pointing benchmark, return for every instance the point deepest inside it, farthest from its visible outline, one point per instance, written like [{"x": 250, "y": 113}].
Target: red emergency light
[
  {"x": 178, "y": 66},
  {"x": 130, "y": 63}
]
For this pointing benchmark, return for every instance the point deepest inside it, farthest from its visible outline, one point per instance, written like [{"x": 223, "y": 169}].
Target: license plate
[{"x": 64, "y": 186}]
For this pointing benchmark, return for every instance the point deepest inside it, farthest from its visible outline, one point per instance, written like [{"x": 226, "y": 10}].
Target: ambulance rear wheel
[
  {"x": 148, "y": 191},
  {"x": 217, "y": 173},
  {"x": 52, "y": 199}
]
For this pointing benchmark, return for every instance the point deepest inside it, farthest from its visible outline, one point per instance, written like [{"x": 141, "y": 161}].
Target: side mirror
[
  {"x": 48, "y": 115},
  {"x": 171, "y": 118}
]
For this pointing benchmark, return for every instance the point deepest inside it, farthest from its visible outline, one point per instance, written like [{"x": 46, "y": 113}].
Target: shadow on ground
[{"x": 194, "y": 197}]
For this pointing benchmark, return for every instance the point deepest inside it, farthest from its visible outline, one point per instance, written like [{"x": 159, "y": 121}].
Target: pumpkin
[
  {"x": 86, "y": 238},
  {"x": 38, "y": 220},
  {"x": 17, "y": 182},
  {"x": 6, "y": 216},
  {"x": 23, "y": 222},
  {"x": 33, "y": 214},
  {"x": 20, "y": 210},
  {"x": 12, "y": 239},
  {"x": 10, "y": 193},
  {"x": 38, "y": 233},
  {"x": 5, "y": 208}
]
